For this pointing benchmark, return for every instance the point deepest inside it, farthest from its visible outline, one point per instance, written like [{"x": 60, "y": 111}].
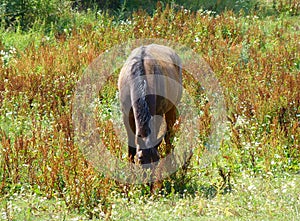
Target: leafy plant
[{"x": 256, "y": 60}]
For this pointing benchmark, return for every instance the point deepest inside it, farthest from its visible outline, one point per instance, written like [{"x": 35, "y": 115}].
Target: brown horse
[{"x": 150, "y": 87}]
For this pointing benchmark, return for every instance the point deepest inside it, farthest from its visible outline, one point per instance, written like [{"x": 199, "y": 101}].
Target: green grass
[
  {"x": 255, "y": 176},
  {"x": 252, "y": 198}
]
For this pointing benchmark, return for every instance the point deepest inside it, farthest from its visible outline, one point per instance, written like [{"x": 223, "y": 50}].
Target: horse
[{"x": 150, "y": 88}]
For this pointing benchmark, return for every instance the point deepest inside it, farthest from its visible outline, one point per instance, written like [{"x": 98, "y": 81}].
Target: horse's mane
[{"x": 139, "y": 92}]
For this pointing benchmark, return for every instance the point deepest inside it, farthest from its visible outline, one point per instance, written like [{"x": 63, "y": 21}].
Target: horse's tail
[{"x": 138, "y": 94}]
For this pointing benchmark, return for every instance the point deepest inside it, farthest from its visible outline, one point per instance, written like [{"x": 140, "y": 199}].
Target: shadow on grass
[{"x": 182, "y": 184}]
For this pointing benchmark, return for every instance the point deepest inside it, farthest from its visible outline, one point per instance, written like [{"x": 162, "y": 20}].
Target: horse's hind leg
[{"x": 170, "y": 116}]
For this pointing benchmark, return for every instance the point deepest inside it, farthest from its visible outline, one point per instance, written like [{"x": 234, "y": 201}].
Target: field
[{"x": 255, "y": 55}]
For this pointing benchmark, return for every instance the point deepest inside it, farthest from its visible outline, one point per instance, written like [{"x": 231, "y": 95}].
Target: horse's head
[
  {"x": 148, "y": 140},
  {"x": 147, "y": 156}
]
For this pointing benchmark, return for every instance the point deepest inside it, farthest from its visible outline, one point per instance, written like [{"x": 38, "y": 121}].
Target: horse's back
[
  {"x": 165, "y": 57},
  {"x": 162, "y": 67}
]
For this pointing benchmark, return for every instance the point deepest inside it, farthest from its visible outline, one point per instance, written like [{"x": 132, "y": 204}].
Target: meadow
[{"x": 254, "y": 53}]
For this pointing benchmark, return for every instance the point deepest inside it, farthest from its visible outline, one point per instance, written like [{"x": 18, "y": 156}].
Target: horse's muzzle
[{"x": 147, "y": 156}]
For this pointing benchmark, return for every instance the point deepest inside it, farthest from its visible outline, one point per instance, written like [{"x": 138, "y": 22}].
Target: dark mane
[
  {"x": 139, "y": 92},
  {"x": 138, "y": 68}
]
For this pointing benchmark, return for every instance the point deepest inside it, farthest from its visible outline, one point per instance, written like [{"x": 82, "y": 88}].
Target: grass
[
  {"x": 43, "y": 174},
  {"x": 253, "y": 198}
]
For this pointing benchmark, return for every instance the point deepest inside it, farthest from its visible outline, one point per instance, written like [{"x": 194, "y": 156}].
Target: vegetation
[{"x": 253, "y": 52}]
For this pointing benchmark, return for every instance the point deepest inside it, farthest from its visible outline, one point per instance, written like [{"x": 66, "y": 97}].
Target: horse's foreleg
[
  {"x": 130, "y": 129},
  {"x": 170, "y": 120}
]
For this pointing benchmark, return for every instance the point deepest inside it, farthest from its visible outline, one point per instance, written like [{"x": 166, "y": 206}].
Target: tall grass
[{"x": 255, "y": 59}]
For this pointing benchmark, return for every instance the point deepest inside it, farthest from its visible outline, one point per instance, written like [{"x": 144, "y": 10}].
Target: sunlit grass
[
  {"x": 253, "y": 198},
  {"x": 254, "y": 176}
]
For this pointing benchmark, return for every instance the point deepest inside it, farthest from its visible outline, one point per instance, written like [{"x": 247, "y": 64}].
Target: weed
[{"x": 256, "y": 60}]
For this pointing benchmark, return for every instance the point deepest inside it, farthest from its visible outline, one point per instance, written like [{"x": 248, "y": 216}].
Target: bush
[
  {"x": 24, "y": 13},
  {"x": 96, "y": 4},
  {"x": 213, "y": 5},
  {"x": 290, "y": 6}
]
